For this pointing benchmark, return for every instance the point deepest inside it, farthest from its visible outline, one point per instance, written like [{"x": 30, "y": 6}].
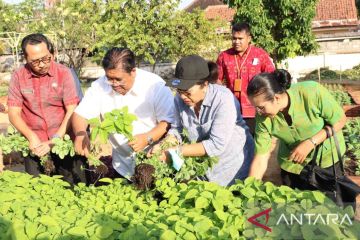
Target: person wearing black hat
[{"x": 211, "y": 115}]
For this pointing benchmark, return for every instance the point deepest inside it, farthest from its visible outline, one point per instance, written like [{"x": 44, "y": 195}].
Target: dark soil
[
  {"x": 49, "y": 167},
  {"x": 143, "y": 178}
]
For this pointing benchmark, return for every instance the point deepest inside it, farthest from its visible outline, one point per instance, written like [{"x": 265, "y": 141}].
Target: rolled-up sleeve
[
  {"x": 222, "y": 127},
  {"x": 15, "y": 98}
]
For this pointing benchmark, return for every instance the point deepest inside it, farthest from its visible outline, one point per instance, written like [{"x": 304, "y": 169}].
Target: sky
[{"x": 183, "y": 3}]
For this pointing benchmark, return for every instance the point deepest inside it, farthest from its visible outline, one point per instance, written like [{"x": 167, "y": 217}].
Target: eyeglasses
[
  {"x": 183, "y": 92},
  {"x": 44, "y": 60},
  {"x": 115, "y": 82}
]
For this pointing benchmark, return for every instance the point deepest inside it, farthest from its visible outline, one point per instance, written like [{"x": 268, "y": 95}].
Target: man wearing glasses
[
  {"x": 42, "y": 97},
  {"x": 145, "y": 95}
]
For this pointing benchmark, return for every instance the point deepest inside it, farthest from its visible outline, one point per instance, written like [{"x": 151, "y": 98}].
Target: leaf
[
  {"x": 103, "y": 232},
  {"x": 168, "y": 235},
  {"x": 201, "y": 202},
  {"x": 77, "y": 231},
  {"x": 248, "y": 192},
  {"x": 191, "y": 194},
  {"x": 48, "y": 221},
  {"x": 203, "y": 226},
  {"x": 106, "y": 180},
  {"x": 319, "y": 196}
]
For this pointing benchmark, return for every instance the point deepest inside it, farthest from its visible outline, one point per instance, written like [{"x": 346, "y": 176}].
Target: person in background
[
  {"x": 296, "y": 114},
  {"x": 210, "y": 115},
  {"x": 41, "y": 99},
  {"x": 239, "y": 64}
]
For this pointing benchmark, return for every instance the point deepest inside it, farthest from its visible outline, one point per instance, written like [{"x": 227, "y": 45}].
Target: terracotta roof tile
[
  {"x": 328, "y": 12},
  {"x": 219, "y": 11}
]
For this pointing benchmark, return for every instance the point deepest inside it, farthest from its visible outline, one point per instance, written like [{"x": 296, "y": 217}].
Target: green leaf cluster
[
  {"x": 63, "y": 147},
  {"x": 117, "y": 121},
  {"x": 339, "y": 93},
  {"x": 46, "y": 208},
  {"x": 352, "y": 140}
]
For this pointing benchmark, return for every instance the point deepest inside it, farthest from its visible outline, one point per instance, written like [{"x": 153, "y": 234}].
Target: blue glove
[{"x": 176, "y": 159}]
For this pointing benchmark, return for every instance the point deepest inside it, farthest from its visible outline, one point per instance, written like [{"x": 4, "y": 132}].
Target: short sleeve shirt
[
  {"x": 311, "y": 108},
  {"x": 254, "y": 61},
  {"x": 43, "y": 98},
  {"x": 149, "y": 99}
]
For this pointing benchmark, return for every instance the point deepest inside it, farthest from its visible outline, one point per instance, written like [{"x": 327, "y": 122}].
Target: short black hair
[
  {"x": 119, "y": 57},
  {"x": 34, "y": 39},
  {"x": 239, "y": 27}
]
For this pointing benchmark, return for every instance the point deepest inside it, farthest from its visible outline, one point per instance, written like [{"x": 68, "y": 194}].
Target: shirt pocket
[
  {"x": 55, "y": 96},
  {"x": 28, "y": 95}
]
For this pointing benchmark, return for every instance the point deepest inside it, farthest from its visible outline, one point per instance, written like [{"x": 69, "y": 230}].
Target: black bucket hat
[{"x": 188, "y": 72}]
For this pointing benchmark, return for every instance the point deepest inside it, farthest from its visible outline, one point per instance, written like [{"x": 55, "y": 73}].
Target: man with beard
[
  {"x": 42, "y": 97},
  {"x": 239, "y": 64},
  {"x": 145, "y": 95}
]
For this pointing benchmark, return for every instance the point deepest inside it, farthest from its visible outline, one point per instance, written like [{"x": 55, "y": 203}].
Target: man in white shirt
[{"x": 143, "y": 92}]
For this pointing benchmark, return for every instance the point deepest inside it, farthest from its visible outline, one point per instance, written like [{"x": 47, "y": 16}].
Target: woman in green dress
[{"x": 296, "y": 114}]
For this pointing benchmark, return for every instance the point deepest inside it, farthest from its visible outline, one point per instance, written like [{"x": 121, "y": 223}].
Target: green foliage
[
  {"x": 63, "y": 147},
  {"x": 326, "y": 74},
  {"x": 15, "y": 142},
  {"x": 281, "y": 27},
  {"x": 117, "y": 121},
  {"x": 153, "y": 29},
  {"x": 193, "y": 167},
  {"x": 352, "y": 140},
  {"x": 45, "y": 208},
  {"x": 339, "y": 93}
]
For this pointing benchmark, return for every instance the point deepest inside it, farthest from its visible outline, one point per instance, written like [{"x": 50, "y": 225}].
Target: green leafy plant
[
  {"x": 117, "y": 121},
  {"x": 339, "y": 93},
  {"x": 15, "y": 142},
  {"x": 46, "y": 208},
  {"x": 352, "y": 140}
]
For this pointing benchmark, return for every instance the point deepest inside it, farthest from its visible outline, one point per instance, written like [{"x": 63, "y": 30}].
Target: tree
[
  {"x": 72, "y": 22},
  {"x": 281, "y": 27},
  {"x": 154, "y": 29}
]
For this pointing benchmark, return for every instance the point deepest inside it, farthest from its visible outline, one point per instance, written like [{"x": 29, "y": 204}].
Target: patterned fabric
[
  {"x": 221, "y": 130},
  {"x": 311, "y": 107},
  {"x": 254, "y": 61},
  {"x": 43, "y": 99}
]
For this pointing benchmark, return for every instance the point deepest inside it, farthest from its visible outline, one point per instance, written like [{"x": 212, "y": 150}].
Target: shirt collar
[
  {"x": 209, "y": 96},
  {"x": 31, "y": 74},
  {"x": 291, "y": 100}
]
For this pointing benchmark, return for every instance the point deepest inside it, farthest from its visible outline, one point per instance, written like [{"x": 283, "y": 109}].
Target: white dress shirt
[{"x": 149, "y": 99}]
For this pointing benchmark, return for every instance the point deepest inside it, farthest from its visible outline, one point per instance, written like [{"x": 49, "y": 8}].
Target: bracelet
[
  {"x": 312, "y": 141},
  {"x": 81, "y": 133}
]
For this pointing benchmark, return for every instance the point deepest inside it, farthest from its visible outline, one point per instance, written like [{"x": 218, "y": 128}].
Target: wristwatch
[
  {"x": 55, "y": 136},
  {"x": 150, "y": 140}
]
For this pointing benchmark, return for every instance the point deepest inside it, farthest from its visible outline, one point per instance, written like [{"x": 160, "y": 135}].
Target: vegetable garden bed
[{"x": 44, "y": 208}]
